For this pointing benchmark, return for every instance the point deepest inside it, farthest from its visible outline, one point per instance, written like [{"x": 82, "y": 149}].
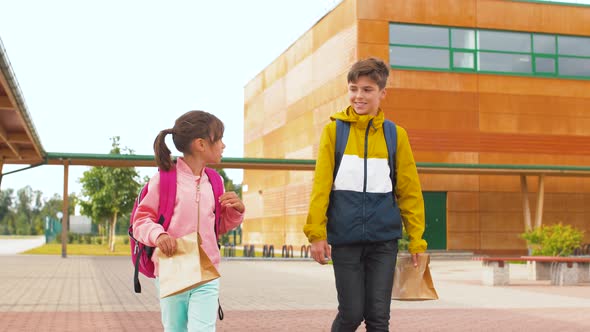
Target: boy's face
[{"x": 365, "y": 96}]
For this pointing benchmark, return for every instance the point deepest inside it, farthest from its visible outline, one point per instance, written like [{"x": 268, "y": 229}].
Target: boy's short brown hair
[{"x": 373, "y": 68}]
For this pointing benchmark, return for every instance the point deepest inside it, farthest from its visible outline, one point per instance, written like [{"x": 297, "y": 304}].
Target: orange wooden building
[{"x": 472, "y": 81}]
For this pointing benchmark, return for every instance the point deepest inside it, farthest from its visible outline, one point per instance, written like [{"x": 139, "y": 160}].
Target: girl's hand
[
  {"x": 231, "y": 199},
  {"x": 166, "y": 244}
]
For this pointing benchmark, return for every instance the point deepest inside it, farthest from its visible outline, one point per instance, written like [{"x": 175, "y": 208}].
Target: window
[
  {"x": 501, "y": 62},
  {"x": 544, "y": 44},
  {"x": 419, "y": 57},
  {"x": 574, "y": 67},
  {"x": 544, "y": 65},
  {"x": 503, "y": 41},
  {"x": 463, "y": 38},
  {"x": 489, "y": 51},
  {"x": 418, "y": 35},
  {"x": 574, "y": 46},
  {"x": 462, "y": 60}
]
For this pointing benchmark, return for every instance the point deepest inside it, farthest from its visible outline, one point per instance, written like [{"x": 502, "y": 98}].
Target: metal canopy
[{"x": 81, "y": 159}]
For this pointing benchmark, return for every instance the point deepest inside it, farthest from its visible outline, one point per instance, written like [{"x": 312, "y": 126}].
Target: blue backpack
[{"x": 342, "y": 131}]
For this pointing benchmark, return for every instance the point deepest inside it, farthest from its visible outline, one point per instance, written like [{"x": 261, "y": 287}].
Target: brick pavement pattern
[{"x": 49, "y": 293}]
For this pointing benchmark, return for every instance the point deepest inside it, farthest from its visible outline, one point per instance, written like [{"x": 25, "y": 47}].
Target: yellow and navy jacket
[{"x": 358, "y": 205}]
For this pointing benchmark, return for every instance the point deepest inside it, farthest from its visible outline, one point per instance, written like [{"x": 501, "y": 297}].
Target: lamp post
[{"x": 64, "y": 235}]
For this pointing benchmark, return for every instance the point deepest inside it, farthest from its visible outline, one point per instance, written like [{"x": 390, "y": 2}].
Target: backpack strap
[
  {"x": 167, "y": 196},
  {"x": 138, "y": 249},
  {"x": 165, "y": 210},
  {"x": 390, "y": 131},
  {"x": 342, "y": 131},
  {"x": 217, "y": 185}
]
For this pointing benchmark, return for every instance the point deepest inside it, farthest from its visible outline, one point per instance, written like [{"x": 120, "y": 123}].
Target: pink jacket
[{"x": 184, "y": 219}]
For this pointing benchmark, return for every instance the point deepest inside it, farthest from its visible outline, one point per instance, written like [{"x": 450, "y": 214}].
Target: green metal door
[{"x": 435, "y": 205}]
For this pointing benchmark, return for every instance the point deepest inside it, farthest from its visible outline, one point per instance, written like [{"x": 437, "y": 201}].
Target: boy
[{"x": 355, "y": 212}]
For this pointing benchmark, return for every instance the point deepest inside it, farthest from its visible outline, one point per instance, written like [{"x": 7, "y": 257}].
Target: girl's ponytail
[{"x": 161, "y": 151}]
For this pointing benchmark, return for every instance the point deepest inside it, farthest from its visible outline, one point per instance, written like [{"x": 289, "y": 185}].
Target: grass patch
[
  {"x": 240, "y": 253},
  {"x": 81, "y": 249},
  {"x": 18, "y": 237}
]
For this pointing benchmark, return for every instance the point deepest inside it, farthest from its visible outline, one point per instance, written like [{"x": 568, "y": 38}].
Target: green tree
[
  {"x": 54, "y": 205},
  {"x": 37, "y": 221},
  {"x": 7, "y": 212},
  {"x": 109, "y": 191},
  {"x": 229, "y": 185},
  {"x": 24, "y": 211},
  {"x": 25, "y": 214}
]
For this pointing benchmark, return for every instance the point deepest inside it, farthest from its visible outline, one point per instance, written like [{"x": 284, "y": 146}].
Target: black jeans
[{"x": 364, "y": 280}]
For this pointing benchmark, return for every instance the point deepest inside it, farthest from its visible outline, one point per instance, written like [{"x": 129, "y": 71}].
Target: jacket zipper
[
  {"x": 365, "y": 176},
  {"x": 198, "y": 208}
]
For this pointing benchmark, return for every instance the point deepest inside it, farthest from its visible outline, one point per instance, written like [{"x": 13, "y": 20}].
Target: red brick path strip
[{"x": 435, "y": 320}]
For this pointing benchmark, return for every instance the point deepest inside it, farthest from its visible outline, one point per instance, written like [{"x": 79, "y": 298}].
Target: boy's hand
[
  {"x": 231, "y": 199},
  {"x": 415, "y": 259},
  {"x": 321, "y": 251},
  {"x": 166, "y": 244}
]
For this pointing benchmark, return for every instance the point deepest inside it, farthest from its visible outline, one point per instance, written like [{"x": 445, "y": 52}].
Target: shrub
[
  {"x": 402, "y": 244},
  {"x": 554, "y": 240}
]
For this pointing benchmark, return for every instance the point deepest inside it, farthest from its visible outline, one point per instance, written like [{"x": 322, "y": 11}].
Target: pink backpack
[{"x": 140, "y": 253}]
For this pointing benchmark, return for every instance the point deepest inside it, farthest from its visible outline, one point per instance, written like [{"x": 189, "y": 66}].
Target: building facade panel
[
  {"x": 463, "y": 201},
  {"x": 539, "y": 159},
  {"x": 254, "y": 149},
  {"x": 448, "y": 157},
  {"x": 366, "y": 50},
  {"x": 500, "y": 222},
  {"x": 550, "y": 18},
  {"x": 501, "y": 242},
  {"x": 463, "y": 241},
  {"x": 373, "y": 32},
  {"x": 463, "y": 221},
  {"x": 449, "y": 183},
  {"x": 541, "y": 87},
  {"x": 444, "y": 12}
]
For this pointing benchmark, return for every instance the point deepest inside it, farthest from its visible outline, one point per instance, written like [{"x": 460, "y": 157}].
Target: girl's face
[{"x": 213, "y": 151}]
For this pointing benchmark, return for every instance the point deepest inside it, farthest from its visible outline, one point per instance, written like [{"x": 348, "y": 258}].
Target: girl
[{"x": 197, "y": 135}]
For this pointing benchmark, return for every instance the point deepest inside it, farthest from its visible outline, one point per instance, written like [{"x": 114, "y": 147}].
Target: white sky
[{"x": 90, "y": 70}]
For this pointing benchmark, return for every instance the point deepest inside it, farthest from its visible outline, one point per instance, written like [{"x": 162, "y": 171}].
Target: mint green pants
[{"x": 193, "y": 310}]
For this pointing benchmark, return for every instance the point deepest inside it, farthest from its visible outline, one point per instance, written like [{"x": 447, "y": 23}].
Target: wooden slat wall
[{"x": 450, "y": 117}]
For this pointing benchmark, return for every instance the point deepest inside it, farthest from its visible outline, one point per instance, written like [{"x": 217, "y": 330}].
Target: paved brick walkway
[{"x": 48, "y": 293}]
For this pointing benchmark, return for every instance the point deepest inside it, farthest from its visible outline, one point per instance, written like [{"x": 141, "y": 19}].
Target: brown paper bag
[
  {"x": 190, "y": 267},
  {"x": 413, "y": 283}
]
